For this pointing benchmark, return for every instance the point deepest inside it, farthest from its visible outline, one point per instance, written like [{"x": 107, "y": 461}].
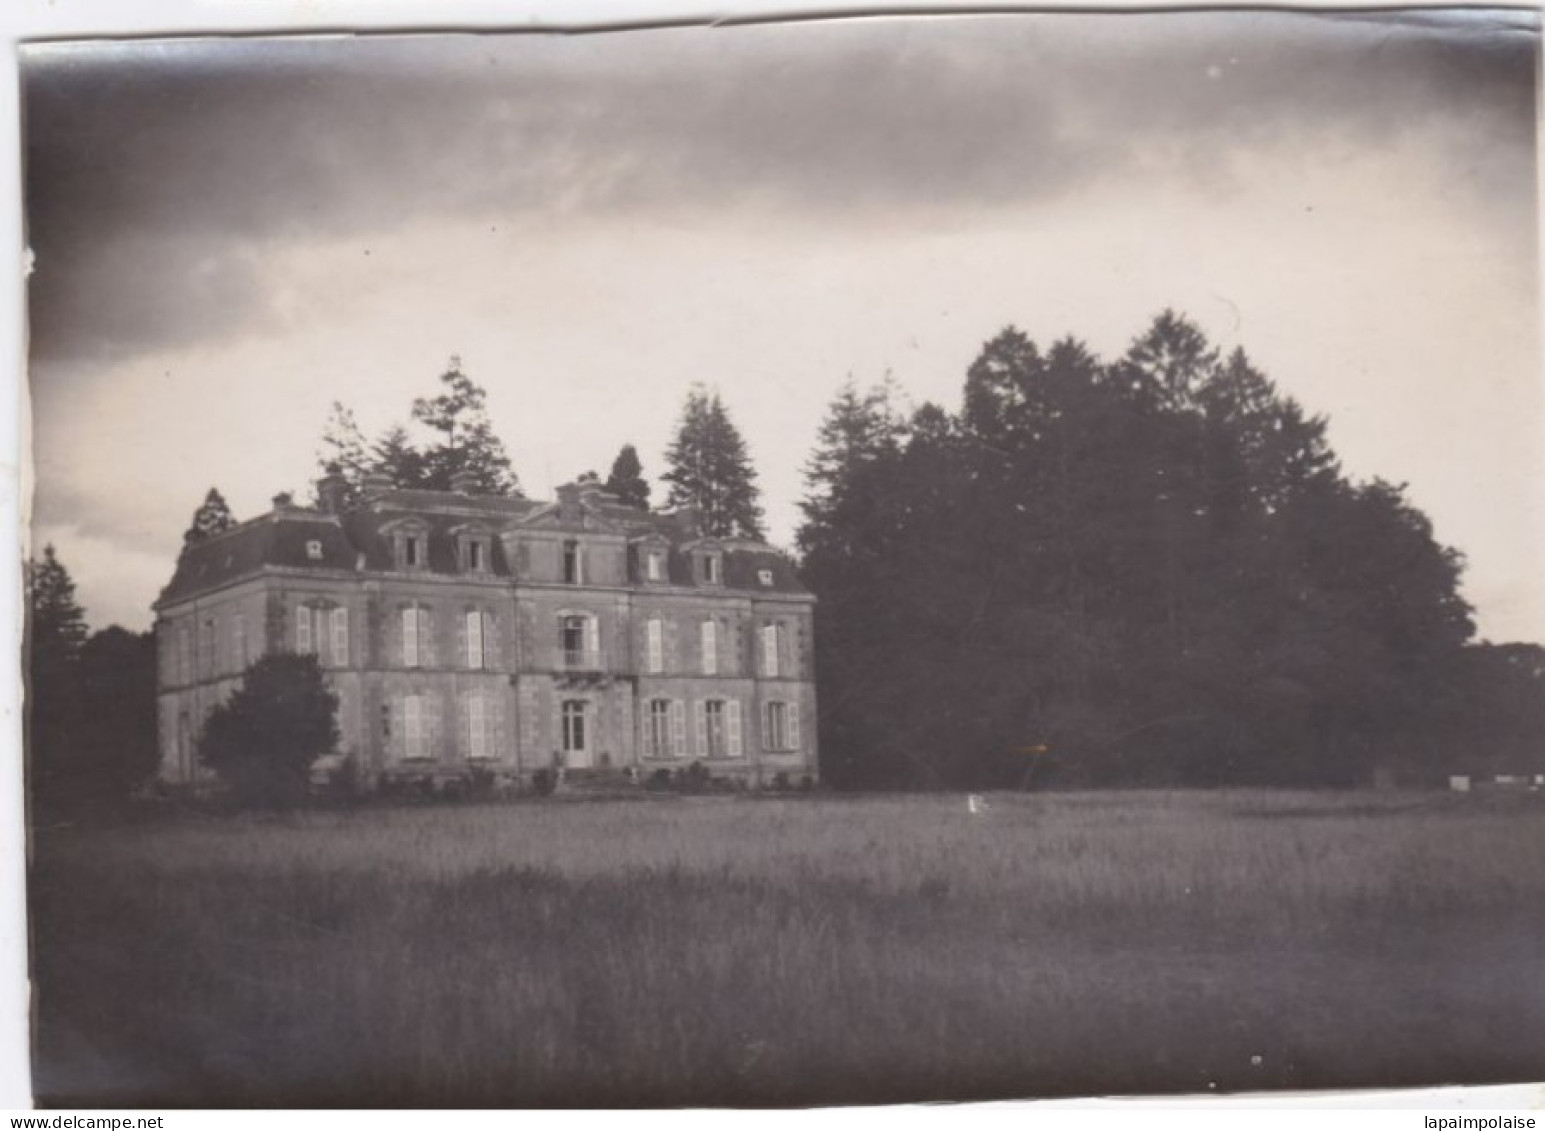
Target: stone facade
[{"x": 465, "y": 633}]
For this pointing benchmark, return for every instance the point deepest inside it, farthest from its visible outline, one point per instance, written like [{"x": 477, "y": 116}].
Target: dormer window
[
  {"x": 654, "y": 565},
  {"x": 410, "y": 548},
  {"x": 474, "y": 554},
  {"x": 711, "y": 569},
  {"x": 314, "y": 550},
  {"x": 764, "y": 577},
  {"x": 573, "y": 563}
]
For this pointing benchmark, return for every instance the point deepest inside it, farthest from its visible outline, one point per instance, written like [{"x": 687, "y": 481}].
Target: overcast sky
[{"x": 231, "y": 235}]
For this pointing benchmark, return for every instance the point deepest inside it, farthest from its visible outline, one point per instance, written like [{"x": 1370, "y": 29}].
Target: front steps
[{"x": 597, "y": 782}]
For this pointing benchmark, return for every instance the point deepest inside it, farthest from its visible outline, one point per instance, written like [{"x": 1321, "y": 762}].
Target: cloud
[{"x": 160, "y": 176}]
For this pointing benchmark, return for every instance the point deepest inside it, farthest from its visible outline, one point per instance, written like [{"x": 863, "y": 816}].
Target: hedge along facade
[{"x": 464, "y": 632}]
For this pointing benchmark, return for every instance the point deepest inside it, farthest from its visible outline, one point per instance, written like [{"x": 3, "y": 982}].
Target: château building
[{"x": 464, "y": 631}]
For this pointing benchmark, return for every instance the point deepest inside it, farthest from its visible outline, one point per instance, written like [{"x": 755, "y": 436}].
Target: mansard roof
[
  {"x": 371, "y": 531},
  {"x": 359, "y": 541},
  {"x": 279, "y": 538}
]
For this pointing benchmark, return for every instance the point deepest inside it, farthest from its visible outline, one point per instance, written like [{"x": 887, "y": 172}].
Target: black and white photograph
[{"x": 785, "y": 563}]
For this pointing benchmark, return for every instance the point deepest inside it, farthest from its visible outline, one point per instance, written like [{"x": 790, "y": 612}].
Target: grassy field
[{"x": 829, "y": 950}]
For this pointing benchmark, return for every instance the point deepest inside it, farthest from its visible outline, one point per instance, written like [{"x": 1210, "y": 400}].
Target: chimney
[
  {"x": 568, "y": 501},
  {"x": 333, "y": 491},
  {"x": 375, "y": 482},
  {"x": 464, "y": 482},
  {"x": 284, "y": 501}
]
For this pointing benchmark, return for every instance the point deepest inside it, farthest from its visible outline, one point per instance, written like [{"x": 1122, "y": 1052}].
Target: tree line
[{"x": 1148, "y": 570}]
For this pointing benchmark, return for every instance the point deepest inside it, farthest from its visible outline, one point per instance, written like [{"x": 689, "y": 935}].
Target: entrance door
[{"x": 578, "y": 734}]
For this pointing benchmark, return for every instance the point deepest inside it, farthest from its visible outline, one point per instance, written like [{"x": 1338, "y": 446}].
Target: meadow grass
[{"x": 791, "y": 952}]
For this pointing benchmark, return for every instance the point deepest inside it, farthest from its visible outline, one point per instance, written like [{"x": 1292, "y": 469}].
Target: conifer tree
[
  {"x": 56, "y": 634},
  {"x": 212, "y": 517},
  {"x": 459, "y": 414},
  {"x": 344, "y": 452},
  {"x": 398, "y": 458},
  {"x": 627, "y": 480},
  {"x": 58, "y": 624},
  {"x": 711, "y": 471}
]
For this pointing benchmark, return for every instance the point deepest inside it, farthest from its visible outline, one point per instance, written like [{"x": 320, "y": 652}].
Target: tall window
[
  {"x": 305, "y": 637},
  {"x": 718, "y": 728},
  {"x": 712, "y": 569},
  {"x": 771, "y": 642},
  {"x": 340, "y": 619},
  {"x": 573, "y": 563},
  {"x": 710, "y": 640},
  {"x": 654, "y": 645},
  {"x": 575, "y": 740},
  {"x": 780, "y": 726},
  {"x": 654, "y": 565},
  {"x": 416, "y": 641},
  {"x": 657, "y": 730},
  {"x": 412, "y": 551},
  {"x": 476, "y": 656},
  {"x": 579, "y": 640}
]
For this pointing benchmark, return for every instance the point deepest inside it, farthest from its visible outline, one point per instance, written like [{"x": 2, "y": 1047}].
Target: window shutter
[
  {"x": 341, "y": 637},
  {"x": 593, "y": 639},
  {"x": 432, "y": 722},
  {"x": 671, "y": 646},
  {"x": 496, "y": 725},
  {"x": 656, "y": 644},
  {"x": 408, "y": 631},
  {"x": 793, "y": 742},
  {"x": 302, "y": 629},
  {"x": 491, "y": 641},
  {"x": 464, "y": 724},
  {"x": 407, "y": 728},
  {"x": 700, "y": 718},
  {"x": 678, "y": 712},
  {"x": 426, "y": 636},
  {"x": 710, "y": 643},
  {"x": 463, "y": 639},
  {"x": 732, "y": 710}
]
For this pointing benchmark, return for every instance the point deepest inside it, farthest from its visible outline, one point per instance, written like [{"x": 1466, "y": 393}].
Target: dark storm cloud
[{"x": 160, "y": 175}]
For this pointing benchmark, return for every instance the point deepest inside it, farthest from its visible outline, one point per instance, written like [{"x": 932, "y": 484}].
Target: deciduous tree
[{"x": 263, "y": 740}]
